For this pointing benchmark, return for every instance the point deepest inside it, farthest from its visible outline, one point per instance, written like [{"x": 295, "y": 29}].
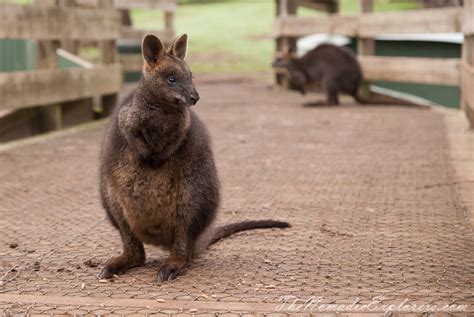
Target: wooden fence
[
  {"x": 61, "y": 96},
  {"x": 134, "y": 62},
  {"x": 50, "y": 97},
  {"x": 367, "y": 24}
]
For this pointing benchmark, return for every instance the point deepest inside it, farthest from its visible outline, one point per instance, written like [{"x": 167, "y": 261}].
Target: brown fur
[
  {"x": 334, "y": 69},
  {"x": 159, "y": 183}
]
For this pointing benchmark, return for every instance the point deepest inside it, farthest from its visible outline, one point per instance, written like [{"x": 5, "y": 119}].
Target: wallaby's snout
[
  {"x": 194, "y": 97},
  {"x": 282, "y": 60},
  {"x": 279, "y": 62}
]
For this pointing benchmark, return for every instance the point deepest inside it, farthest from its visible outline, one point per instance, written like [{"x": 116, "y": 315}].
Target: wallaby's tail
[
  {"x": 382, "y": 100},
  {"x": 227, "y": 230}
]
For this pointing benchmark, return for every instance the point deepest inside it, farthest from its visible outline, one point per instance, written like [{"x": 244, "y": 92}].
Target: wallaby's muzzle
[{"x": 194, "y": 97}]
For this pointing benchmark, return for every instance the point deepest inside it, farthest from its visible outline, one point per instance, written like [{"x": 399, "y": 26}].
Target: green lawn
[
  {"x": 223, "y": 37},
  {"x": 235, "y": 36}
]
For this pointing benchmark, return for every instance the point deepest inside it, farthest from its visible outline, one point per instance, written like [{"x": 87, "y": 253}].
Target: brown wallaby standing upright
[{"x": 158, "y": 180}]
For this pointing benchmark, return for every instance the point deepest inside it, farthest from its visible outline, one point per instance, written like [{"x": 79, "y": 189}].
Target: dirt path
[{"x": 370, "y": 193}]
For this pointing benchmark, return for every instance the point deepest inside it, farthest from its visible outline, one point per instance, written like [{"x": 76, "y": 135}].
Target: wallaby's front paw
[
  {"x": 169, "y": 270},
  {"x": 107, "y": 273},
  {"x": 121, "y": 263}
]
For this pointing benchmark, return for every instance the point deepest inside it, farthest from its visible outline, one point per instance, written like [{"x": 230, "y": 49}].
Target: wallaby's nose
[{"x": 194, "y": 97}]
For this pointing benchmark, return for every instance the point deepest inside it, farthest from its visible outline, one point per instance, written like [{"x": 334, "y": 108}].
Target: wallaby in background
[
  {"x": 158, "y": 179},
  {"x": 335, "y": 68}
]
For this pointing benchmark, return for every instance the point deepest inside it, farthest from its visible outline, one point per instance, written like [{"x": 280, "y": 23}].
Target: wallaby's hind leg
[
  {"x": 171, "y": 268},
  {"x": 332, "y": 92},
  {"x": 181, "y": 253},
  {"x": 332, "y": 99},
  {"x": 133, "y": 252}
]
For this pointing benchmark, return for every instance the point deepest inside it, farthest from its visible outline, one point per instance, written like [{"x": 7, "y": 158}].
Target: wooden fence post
[
  {"x": 46, "y": 58},
  {"x": 72, "y": 46},
  {"x": 283, "y": 44},
  {"x": 467, "y": 65},
  {"x": 108, "y": 51},
  {"x": 365, "y": 46},
  {"x": 169, "y": 24},
  {"x": 81, "y": 110}
]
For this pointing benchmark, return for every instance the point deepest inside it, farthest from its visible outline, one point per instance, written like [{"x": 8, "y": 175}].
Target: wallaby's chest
[{"x": 149, "y": 198}]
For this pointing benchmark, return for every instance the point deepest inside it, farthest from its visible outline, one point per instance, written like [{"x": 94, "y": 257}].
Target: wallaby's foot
[
  {"x": 107, "y": 272},
  {"x": 320, "y": 103},
  {"x": 170, "y": 269},
  {"x": 121, "y": 263}
]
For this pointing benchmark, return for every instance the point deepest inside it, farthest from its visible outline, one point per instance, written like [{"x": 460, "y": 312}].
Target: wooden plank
[
  {"x": 326, "y": 6},
  {"x": 166, "y": 5},
  {"x": 467, "y": 83},
  {"x": 439, "y": 71},
  {"x": 365, "y": 46},
  {"x": 467, "y": 92},
  {"x": 285, "y": 43},
  {"x": 57, "y": 85},
  {"x": 467, "y": 61},
  {"x": 109, "y": 54},
  {"x": 46, "y": 56},
  {"x": 169, "y": 23},
  {"x": 71, "y": 46},
  {"x": 371, "y": 24},
  {"x": 443, "y": 20},
  {"x": 54, "y": 23},
  {"x": 49, "y": 116},
  {"x": 467, "y": 67},
  {"x": 468, "y": 17},
  {"x": 134, "y": 34},
  {"x": 131, "y": 62},
  {"x": 301, "y": 26}
]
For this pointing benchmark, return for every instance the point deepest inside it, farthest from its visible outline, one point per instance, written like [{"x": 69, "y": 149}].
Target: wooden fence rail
[
  {"x": 49, "y": 86},
  {"x": 57, "y": 97},
  {"x": 445, "y": 20},
  {"x": 367, "y": 24},
  {"x": 60, "y": 96},
  {"x": 467, "y": 65},
  {"x": 440, "y": 71},
  {"x": 54, "y": 23},
  {"x": 134, "y": 62}
]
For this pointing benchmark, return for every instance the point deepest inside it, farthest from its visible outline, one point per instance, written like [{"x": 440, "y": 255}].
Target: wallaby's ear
[
  {"x": 179, "y": 47},
  {"x": 152, "y": 49}
]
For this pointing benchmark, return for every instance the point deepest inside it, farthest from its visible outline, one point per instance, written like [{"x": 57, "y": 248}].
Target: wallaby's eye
[{"x": 171, "y": 79}]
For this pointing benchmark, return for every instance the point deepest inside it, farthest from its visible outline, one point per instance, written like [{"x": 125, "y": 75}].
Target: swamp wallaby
[
  {"x": 335, "y": 68},
  {"x": 158, "y": 180}
]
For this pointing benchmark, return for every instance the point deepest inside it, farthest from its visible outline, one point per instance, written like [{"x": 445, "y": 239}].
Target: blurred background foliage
[
  {"x": 236, "y": 36},
  {"x": 233, "y": 35}
]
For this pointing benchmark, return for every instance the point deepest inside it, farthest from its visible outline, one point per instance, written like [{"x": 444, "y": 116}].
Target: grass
[
  {"x": 223, "y": 37},
  {"x": 235, "y": 36}
]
